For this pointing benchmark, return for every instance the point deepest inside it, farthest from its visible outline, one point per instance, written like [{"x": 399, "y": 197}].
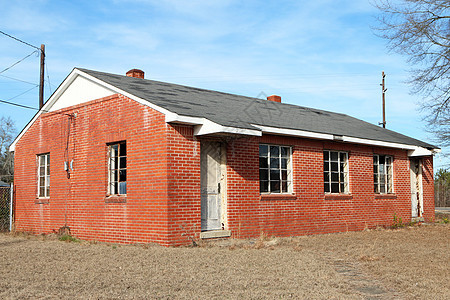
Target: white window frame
[
  {"x": 45, "y": 175},
  {"x": 342, "y": 172},
  {"x": 288, "y": 170},
  {"x": 114, "y": 169},
  {"x": 386, "y": 184}
]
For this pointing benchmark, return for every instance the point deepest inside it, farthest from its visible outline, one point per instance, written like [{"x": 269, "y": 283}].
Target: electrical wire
[
  {"x": 17, "y": 104},
  {"x": 4, "y": 70},
  {"x": 19, "y": 40},
  {"x": 12, "y": 78},
  {"x": 22, "y": 93}
]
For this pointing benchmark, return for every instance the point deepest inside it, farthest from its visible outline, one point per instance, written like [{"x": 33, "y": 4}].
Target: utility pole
[
  {"x": 383, "y": 96},
  {"x": 41, "y": 80}
]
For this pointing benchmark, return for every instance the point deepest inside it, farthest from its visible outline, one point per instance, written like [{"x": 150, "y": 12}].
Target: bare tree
[
  {"x": 420, "y": 29},
  {"x": 7, "y": 133}
]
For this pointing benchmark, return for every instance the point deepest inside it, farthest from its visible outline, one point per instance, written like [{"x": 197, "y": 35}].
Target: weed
[
  {"x": 397, "y": 223},
  {"x": 445, "y": 220},
  {"x": 68, "y": 238}
]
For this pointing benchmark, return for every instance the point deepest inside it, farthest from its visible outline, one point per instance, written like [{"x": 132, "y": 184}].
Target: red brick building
[{"x": 137, "y": 161}]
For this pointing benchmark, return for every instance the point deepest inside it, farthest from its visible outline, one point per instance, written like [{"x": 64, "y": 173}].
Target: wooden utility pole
[
  {"x": 41, "y": 79},
  {"x": 383, "y": 95}
]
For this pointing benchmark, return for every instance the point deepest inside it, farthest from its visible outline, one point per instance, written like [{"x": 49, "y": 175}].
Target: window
[
  {"x": 275, "y": 169},
  {"x": 118, "y": 168},
  {"x": 44, "y": 175},
  {"x": 382, "y": 174},
  {"x": 335, "y": 171}
]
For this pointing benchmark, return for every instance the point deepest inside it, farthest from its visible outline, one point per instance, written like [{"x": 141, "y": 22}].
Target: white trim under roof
[
  {"x": 412, "y": 150},
  {"x": 204, "y": 126}
]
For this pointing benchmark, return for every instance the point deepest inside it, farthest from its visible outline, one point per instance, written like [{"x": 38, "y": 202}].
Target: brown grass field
[{"x": 407, "y": 263}]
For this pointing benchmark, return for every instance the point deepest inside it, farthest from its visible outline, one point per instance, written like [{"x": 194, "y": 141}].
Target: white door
[
  {"x": 210, "y": 183},
  {"x": 416, "y": 188}
]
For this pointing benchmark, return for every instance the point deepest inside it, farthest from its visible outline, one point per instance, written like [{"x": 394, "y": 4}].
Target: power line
[
  {"x": 12, "y": 78},
  {"x": 23, "y": 93},
  {"x": 19, "y": 40},
  {"x": 19, "y": 105},
  {"x": 4, "y": 70},
  {"x": 33, "y": 108}
]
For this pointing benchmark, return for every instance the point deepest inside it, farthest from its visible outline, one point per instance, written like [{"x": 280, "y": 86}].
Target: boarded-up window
[
  {"x": 117, "y": 168},
  {"x": 275, "y": 169},
  {"x": 382, "y": 174},
  {"x": 335, "y": 171},
  {"x": 44, "y": 175}
]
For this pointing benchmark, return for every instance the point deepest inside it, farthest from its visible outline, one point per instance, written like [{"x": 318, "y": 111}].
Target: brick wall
[
  {"x": 82, "y": 200},
  {"x": 163, "y": 185},
  {"x": 310, "y": 211}
]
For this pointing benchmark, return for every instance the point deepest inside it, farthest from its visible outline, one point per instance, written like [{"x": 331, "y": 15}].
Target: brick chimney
[
  {"x": 274, "y": 98},
  {"x": 136, "y": 73}
]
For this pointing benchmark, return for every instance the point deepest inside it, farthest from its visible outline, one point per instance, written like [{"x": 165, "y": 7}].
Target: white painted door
[
  {"x": 210, "y": 178},
  {"x": 416, "y": 188}
]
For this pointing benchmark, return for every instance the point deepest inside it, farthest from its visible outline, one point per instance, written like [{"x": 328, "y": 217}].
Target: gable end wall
[{"x": 81, "y": 202}]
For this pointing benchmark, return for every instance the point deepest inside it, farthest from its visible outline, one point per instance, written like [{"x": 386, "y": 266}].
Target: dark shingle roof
[{"x": 240, "y": 111}]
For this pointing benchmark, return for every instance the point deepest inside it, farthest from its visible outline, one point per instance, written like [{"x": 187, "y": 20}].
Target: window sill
[
  {"x": 338, "y": 196},
  {"x": 277, "y": 197},
  {"x": 116, "y": 199},
  {"x": 42, "y": 201},
  {"x": 385, "y": 196}
]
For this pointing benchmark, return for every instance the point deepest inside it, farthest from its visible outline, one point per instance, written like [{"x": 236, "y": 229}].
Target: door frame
[
  {"x": 417, "y": 191},
  {"x": 223, "y": 231}
]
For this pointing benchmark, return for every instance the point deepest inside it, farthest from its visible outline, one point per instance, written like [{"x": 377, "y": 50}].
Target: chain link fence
[{"x": 5, "y": 204}]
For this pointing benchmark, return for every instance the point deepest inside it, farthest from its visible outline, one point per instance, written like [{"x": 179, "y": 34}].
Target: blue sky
[{"x": 320, "y": 54}]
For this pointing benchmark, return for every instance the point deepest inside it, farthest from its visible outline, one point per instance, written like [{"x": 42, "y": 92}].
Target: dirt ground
[{"x": 379, "y": 264}]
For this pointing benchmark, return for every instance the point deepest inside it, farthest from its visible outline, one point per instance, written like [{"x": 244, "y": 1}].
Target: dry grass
[{"x": 406, "y": 263}]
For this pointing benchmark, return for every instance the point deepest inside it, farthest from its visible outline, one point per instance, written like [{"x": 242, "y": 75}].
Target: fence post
[{"x": 11, "y": 206}]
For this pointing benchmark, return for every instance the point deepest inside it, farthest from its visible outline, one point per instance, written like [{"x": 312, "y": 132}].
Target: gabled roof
[
  {"x": 217, "y": 112},
  {"x": 245, "y": 112}
]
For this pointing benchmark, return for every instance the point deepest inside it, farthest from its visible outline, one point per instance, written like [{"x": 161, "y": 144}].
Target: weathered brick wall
[
  {"x": 82, "y": 198},
  {"x": 163, "y": 185},
  {"x": 310, "y": 211}
]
